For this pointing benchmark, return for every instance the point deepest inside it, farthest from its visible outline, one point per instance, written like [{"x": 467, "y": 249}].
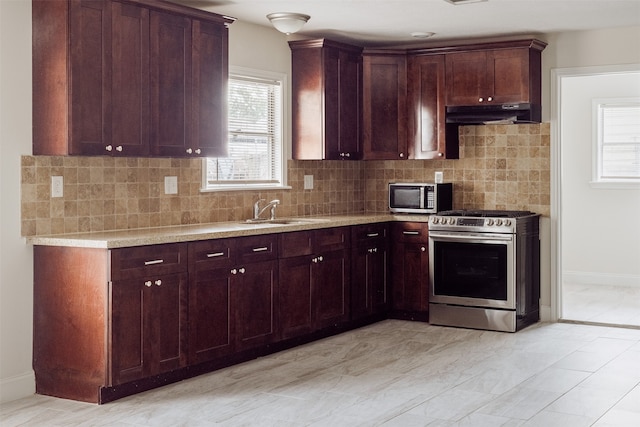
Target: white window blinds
[{"x": 619, "y": 141}]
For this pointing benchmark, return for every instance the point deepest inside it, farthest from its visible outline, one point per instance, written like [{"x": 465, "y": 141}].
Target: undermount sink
[{"x": 283, "y": 221}]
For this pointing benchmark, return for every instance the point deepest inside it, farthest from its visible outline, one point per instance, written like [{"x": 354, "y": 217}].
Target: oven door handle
[{"x": 465, "y": 237}]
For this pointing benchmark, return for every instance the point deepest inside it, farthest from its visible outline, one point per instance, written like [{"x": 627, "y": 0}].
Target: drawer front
[
  {"x": 369, "y": 232},
  {"x": 407, "y": 232},
  {"x": 210, "y": 254},
  {"x": 152, "y": 260},
  {"x": 294, "y": 244},
  {"x": 331, "y": 239},
  {"x": 255, "y": 249}
]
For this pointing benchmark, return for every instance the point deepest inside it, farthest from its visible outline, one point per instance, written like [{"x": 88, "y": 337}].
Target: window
[
  {"x": 255, "y": 158},
  {"x": 617, "y": 141}
]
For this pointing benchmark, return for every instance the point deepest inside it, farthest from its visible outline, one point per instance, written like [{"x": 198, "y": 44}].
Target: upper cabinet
[
  {"x": 326, "y": 87},
  {"x": 133, "y": 78},
  {"x": 509, "y": 72},
  {"x": 384, "y": 105}
]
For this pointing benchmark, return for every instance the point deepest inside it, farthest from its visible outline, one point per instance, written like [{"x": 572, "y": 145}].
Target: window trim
[
  {"x": 596, "y": 181},
  {"x": 285, "y": 136}
]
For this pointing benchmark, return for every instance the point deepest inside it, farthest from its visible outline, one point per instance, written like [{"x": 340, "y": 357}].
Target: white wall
[{"x": 16, "y": 276}]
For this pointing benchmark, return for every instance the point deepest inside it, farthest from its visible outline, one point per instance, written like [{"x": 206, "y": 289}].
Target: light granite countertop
[{"x": 216, "y": 230}]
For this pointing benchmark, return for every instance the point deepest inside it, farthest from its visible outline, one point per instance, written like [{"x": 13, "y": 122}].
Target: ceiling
[{"x": 387, "y": 22}]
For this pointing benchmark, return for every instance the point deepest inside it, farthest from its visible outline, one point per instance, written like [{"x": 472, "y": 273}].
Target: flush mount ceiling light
[
  {"x": 422, "y": 34},
  {"x": 464, "y": 1},
  {"x": 286, "y": 22}
]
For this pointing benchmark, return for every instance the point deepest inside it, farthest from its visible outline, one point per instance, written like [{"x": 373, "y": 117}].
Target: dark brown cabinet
[
  {"x": 410, "y": 270},
  {"x": 426, "y": 109},
  {"x": 511, "y": 74},
  {"x": 384, "y": 105},
  {"x": 326, "y": 87},
  {"x": 128, "y": 79},
  {"x": 314, "y": 280},
  {"x": 233, "y": 288},
  {"x": 370, "y": 293}
]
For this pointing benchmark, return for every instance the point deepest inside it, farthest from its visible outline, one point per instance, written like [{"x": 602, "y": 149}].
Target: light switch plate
[
  {"x": 439, "y": 177},
  {"x": 57, "y": 186},
  {"x": 170, "y": 185},
  {"x": 308, "y": 182}
]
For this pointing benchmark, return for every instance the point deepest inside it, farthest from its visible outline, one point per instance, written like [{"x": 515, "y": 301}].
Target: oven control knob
[
  {"x": 434, "y": 220},
  {"x": 452, "y": 221},
  {"x": 489, "y": 222},
  {"x": 506, "y": 222},
  {"x": 498, "y": 222}
]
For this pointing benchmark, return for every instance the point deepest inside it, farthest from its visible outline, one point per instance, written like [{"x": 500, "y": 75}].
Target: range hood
[{"x": 493, "y": 114}]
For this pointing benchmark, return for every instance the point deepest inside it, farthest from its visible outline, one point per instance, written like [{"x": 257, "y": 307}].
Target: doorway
[{"x": 597, "y": 231}]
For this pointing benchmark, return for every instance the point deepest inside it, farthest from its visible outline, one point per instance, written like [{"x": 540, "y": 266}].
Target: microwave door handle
[{"x": 422, "y": 200}]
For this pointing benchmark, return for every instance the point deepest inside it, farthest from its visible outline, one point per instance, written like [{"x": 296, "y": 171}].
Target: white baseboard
[
  {"x": 17, "y": 387},
  {"x": 545, "y": 314},
  {"x": 588, "y": 278}
]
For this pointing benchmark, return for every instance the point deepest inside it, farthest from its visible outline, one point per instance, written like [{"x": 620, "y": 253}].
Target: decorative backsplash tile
[{"x": 500, "y": 167}]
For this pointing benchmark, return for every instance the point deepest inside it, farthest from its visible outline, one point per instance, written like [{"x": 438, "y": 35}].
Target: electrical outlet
[
  {"x": 308, "y": 182},
  {"x": 170, "y": 185},
  {"x": 439, "y": 177},
  {"x": 57, "y": 186}
]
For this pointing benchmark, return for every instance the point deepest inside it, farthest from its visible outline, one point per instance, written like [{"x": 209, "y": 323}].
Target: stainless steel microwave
[{"x": 420, "y": 198}]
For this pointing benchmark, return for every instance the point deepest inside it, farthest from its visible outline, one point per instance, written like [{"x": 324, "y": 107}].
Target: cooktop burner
[{"x": 485, "y": 213}]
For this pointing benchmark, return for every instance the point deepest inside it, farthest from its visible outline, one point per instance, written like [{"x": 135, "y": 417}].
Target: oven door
[{"x": 472, "y": 269}]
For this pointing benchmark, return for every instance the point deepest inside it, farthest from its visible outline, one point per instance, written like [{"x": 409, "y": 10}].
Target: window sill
[
  {"x": 615, "y": 185},
  {"x": 249, "y": 187}
]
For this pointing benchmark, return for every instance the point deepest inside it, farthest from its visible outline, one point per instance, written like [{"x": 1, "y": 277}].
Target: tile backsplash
[{"x": 500, "y": 167}]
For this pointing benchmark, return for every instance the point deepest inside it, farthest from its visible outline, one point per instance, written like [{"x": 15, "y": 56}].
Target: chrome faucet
[{"x": 257, "y": 211}]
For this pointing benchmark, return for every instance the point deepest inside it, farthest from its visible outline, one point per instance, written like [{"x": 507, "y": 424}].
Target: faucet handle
[{"x": 256, "y": 208}]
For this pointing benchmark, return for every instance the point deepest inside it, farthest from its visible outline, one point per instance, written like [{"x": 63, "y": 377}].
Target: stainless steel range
[{"x": 484, "y": 268}]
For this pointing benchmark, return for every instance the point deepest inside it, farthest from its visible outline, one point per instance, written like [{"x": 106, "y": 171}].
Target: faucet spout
[{"x": 271, "y": 205}]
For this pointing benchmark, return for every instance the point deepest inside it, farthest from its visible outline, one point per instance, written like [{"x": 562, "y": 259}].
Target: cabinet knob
[
  {"x": 234, "y": 271},
  {"x": 401, "y": 155},
  {"x": 423, "y": 249},
  {"x": 372, "y": 250},
  {"x": 440, "y": 154},
  {"x": 480, "y": 99},
  {"x": 242, "y": 270},
  {"x": 119, "y": 148},
  {"x": 490, "y": 98},
  {"x": 109, "y": 148},
  {"x": 158, "y": 282},
  {"x": 198, "y": 151},
  {"x": 147, "y": 283},
  {"x": 189, "y": 151}
]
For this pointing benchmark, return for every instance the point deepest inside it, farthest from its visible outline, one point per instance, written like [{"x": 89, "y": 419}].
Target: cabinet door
[
  {"x": 171, "y": 80},
  {"x": 410, "y": 267},
  {"x": 128, "y": 116},
  {"x": 210, "y": 73},
  {"x": 148, "y": 326},
  {"x": 466, "y": 77},
  {"x": 295, "y": 297},
  {"x": 384, "y": 107},
  {"x": 90, "y": 68},
  {"x": 349, "y": 106},
  {"x": 508, "y": 75},
  {"x": 330, "y": 285},
  {"x": 254, "y": 289},
  {"x": 426, "y": 118},
  {"x": 369, "y": 292}
]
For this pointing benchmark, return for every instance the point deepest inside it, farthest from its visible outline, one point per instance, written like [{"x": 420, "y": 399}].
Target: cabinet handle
[
  {"x": 262, "y": 249},
  {"x": 373, "y": 234},
  {"x": 423, "y": 249},
  {"x": 241, "y": 270},
  {"x": 411, "y": 233},
  {"x": 119, "y": 148},
  {"x": 147, "y": 283},
  {"x": 109, "y": 148},
  {"x": 155, "y": 261},
  {"x": 189, "y": 151},
  {"x": 158, "y": 282},
  {"x": 198, "y": 151},
  {"x": 234, "y": 271},
  {"x": 317, "y": 259},
  {"x": 216, "y": 254}
]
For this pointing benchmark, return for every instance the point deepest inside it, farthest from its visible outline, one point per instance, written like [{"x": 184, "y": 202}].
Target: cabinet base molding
[{"x": 416, "y": 316}]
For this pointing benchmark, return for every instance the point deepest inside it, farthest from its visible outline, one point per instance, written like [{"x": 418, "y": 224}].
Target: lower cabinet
[
  {"x": 369, "y": 272},
  {"x": 314, "y": 280},
  {"x": 410, "y": 270},
  {"x": 232, "y": 296}
]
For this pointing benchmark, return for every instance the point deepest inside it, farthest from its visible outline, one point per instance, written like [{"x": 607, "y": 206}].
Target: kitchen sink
[{"x": 284, "y": 221}]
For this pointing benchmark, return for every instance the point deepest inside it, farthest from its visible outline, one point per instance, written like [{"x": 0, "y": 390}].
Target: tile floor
[
  {"x": 615, "y": 305},
  {"x": 393, "y": 373}
]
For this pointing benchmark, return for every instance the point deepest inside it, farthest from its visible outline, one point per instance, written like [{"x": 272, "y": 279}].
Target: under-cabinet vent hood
[{"x": 494, "y": 114}]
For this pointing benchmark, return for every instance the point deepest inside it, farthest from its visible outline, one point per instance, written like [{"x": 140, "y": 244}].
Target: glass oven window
[{"x": 470, "y": 270}]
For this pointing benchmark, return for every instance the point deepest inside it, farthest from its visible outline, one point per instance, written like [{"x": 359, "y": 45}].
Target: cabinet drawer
[
  {"x": 148, "y": 260},
  {"x": 255, "y": 249},
  {"x": 369, "y": 232},
  {"x": 295, "y": 244},
  {"x": 211, "y": 253},
  {"x": 407, "y": 232},
  {"x": 331, "y": 239}
]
